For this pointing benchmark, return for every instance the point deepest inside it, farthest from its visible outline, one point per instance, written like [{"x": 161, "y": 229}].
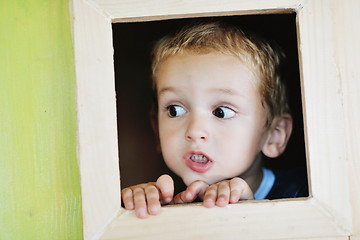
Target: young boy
[{"x": 221, "y": 105}]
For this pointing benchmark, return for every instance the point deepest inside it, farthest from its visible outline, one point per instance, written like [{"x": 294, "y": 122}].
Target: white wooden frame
[{"x": 329, "y": 88}]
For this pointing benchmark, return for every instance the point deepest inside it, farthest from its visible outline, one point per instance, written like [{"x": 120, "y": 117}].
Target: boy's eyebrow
[
  {"x": 224, "y": 90},
  {"x": 227, "y": 91},
  {"x": 166, "y": 89}
]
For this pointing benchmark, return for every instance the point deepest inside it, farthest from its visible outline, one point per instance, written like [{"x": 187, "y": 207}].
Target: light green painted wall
[{"x": 39, "y": 175}]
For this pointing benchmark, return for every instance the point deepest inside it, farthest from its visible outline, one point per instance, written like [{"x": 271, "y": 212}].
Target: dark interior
[{"x": 139, "y": 159}]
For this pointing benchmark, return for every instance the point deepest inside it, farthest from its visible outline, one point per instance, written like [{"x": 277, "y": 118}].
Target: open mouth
[
  {"x": 198, "y": 162},
  {"x": 199, "y": 158}
]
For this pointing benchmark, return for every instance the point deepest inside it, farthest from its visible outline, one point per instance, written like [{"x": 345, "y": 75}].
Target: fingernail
[
  {"x": 209, "y": 203},
  {"x": 141, "y": 213},
  {"x": 167, "y": 200},
  {"x": 221, "y": 202},
  {"x": 130, "y": 205},
  {"x": 153, "y": 210},
  {"x": 189, "y": 195}
]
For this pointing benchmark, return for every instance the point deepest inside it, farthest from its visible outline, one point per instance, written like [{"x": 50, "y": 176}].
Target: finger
[
  {"x": 178, "y": 198},
  {"x": 194, "y": 190},
  {"x": 240, "y": 190},
  {"x": 140, "y": 203},
  {"x": 210, "y": 196},
  {"x": 223, "y": 194},
  {"x": 127, "y": 197},
  {"x": 166, "y": 186},
  {"x": 235, "y": 189},
  {"x": 152, "y": 199}
]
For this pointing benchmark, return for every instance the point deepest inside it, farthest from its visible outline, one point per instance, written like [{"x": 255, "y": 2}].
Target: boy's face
[{"x": 211, "y": 120}]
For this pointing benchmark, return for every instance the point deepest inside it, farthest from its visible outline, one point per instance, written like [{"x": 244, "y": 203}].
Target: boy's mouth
[
  {"x": 199, "y": 158},
  {"x": 198, "y": 162}
]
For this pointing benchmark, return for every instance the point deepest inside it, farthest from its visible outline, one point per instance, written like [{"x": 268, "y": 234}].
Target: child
[{"x": 221, "y": 106}]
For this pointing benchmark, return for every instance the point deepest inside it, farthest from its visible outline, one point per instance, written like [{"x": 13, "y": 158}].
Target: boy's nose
[{"x": 196, "y": 130}]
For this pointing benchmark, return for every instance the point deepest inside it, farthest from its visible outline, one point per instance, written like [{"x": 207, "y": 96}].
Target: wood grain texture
[
  {"x": 40, "y": 194},
  {"x": 247, "y": 220},
  {"x": 96, "y": 104},
  {"x": 330, "y": 83},
  {"x": 324, "y": 110},
  {"x": 325, "y": 238},
  {"x": 347, "y": 51},
  {"x": 130, "y": 10}
]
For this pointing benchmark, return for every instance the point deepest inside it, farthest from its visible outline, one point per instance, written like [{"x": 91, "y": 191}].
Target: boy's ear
[{"x": 278, "y": 136}]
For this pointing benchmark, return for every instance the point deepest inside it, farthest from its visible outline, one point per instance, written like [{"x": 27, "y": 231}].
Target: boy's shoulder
[{"x": 289, "y": 183}]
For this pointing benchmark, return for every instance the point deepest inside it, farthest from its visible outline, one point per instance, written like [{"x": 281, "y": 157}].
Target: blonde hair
[{"x": 261, "y": 58}]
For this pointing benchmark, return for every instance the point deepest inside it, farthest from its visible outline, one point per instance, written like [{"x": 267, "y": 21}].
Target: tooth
[{"x": 199, "y": 158}]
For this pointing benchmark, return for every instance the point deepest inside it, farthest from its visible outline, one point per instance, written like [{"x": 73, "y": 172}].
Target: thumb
[{"x": 166, "y": 186}]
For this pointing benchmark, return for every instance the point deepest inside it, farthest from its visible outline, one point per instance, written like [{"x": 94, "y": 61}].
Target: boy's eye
[
  {"x": 224, "y": 112},
  {"x": 175, "y": 111}
]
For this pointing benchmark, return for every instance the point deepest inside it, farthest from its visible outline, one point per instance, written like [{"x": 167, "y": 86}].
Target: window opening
[{"x": 140, "y": 160}]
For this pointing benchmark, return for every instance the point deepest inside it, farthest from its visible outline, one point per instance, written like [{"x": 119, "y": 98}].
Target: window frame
[{"x": 325, "y": 214}]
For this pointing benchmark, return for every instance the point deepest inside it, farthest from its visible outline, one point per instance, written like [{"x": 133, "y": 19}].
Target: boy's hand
[
  {"x": 219, "y": 194},
  {"x": 194, "y": 190},
  {"x": 147, "y": 198},
  {"x": 227, "y": 191}
]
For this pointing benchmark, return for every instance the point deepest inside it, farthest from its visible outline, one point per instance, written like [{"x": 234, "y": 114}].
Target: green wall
[{"x": 40, "y": 194}]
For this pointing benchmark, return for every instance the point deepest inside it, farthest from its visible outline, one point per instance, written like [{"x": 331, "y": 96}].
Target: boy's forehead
[
  {"x": 210, "y": 55},
  {"x": 221, "y": 90},
  {"x": 219, "y": 72}
]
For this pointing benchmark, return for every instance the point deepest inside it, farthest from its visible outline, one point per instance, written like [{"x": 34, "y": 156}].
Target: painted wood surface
[
  {"x": 130, "y": 10},
  {"x": 40, "y": 195},
  {"x": 97, "y": 135},
  {"x": 328, "y": 38},
  {"x": 246, "y": 220},
  {"x": 324, "y": 109},
  {"x": 348, "y": 59}
]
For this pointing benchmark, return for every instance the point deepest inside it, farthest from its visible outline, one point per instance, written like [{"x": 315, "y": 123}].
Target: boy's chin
[
  {"x": 208, "y": 180},
  {"x": 188, "y": 180}
]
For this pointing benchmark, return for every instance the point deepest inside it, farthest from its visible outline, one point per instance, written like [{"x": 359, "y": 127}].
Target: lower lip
[{"x": 198, "y": 167}]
